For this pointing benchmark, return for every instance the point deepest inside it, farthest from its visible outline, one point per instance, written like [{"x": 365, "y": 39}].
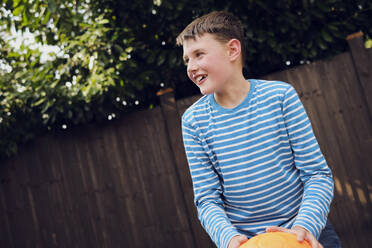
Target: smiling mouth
[{"x": 200, "y": 79}]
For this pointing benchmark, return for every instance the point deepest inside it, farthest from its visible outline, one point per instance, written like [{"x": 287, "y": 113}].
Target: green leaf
[
  {"x": 17, "y": 11},
  {"x": 103, "y": 21},
  {"x": 39, "y": 102},
  {"x": 46, "y": 18},
  {"x": 249, "y": 34},
  {"x": 272, "y": 43},
  {"x": 52, "y": 6},
  {"x": 16, "y": 3},
  {"x": 161, "y": 59},
  {"x": 118, "y": 48},
  {"x": 323, "y": 7},
  {"x": 151, "y": 58},
  {"x": 326, "y": 36},
  {"x": 123, "y": 57},
  {"x": 313, "y": 52},
  {"x": 172, "y": 59},
  {"x": 304, "y": 53},
  {"x": 333, "y": 27},
  {"x": 368, "y": 44},
  {"x": 25, "y": 18},
  {"x": 322, "y": 45},
  {"x": 129, "y": 49},
  {"x": 47, "y": 106}
]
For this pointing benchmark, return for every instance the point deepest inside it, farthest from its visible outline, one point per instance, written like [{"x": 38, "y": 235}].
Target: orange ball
[{"x": 275, "y": 240}]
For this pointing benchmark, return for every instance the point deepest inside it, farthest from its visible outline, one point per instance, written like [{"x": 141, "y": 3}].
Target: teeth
[{"x": 199, "y": 78}]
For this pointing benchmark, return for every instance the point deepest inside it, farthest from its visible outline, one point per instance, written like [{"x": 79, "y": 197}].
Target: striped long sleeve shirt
[{"x": 256, "y": 165}]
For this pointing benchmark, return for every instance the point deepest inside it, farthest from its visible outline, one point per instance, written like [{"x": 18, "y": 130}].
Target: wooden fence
[{"x": 127, "y": 184}]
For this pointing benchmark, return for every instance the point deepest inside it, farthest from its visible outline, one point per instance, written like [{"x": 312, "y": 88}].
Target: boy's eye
[{"x": 198, "y": 54}]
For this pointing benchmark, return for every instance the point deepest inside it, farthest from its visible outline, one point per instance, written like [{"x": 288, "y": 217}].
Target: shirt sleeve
[
  {"x": 207, "y": 189},
  {"x": 314, "y": 171}
]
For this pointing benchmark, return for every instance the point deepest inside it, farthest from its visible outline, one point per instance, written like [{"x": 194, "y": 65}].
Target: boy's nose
[{"x": 191, "y": 67}]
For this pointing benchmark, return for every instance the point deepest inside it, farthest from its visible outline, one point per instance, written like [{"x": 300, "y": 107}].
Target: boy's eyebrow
[{"x": 193, "y": 52}]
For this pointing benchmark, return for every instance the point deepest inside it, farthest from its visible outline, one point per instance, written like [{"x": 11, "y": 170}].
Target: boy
[{"x": 254, "y": 160}]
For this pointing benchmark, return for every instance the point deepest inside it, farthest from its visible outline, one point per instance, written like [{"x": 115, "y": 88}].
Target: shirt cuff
[
  {"x": 226, "y": 237},
  {"x": 312, "y": 229}
]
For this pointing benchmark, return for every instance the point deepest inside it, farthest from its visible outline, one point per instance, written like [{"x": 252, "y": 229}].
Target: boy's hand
[
  {"x": 301, "y": 233},
  {"x": 237, "y": 240}
]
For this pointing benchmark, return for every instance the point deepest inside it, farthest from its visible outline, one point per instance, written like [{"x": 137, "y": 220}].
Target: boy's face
[{"x": 207, "y": 63}]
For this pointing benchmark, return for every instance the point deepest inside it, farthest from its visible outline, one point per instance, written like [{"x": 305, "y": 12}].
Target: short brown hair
[{"x": 222, "y": 24}]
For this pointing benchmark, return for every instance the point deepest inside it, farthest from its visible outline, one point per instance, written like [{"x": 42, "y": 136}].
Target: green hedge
[{"x": 118, "y": 54}]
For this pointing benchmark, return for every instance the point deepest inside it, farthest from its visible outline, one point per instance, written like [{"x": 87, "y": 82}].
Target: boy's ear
[{"x": 234, "y": 49}]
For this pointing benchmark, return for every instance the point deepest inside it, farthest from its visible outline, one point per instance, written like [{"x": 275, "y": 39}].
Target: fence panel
[
  {"x": 111, "y": 186},
  {"x": 333, "y": 99}
]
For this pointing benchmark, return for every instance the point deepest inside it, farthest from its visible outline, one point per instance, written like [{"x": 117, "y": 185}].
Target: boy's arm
[
  {"x": 207, "y": 190},
  {"x": 314, "y": 171}
]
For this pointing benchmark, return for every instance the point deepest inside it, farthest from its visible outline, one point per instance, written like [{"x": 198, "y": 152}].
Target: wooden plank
[
  {"x": 363, "y": 65},
  {"x": 151, "y": 140},
  {"x": 172, "y": 119},
  {"x": 51, "y": 183},
  {"x": 166, "y": 204},
  {"x": 6, "y": 239},
  {"x": 89, "y": 170},
  {"x": 72, "y": 186},
  {"x": 183, "y": 104},
  {"x": 29, "y": 225},
  {"x": 53, "y": 157},
  {"x": 127, "y": 182},
  {"x": 100, "y": 172},
  {"x": 136, "y": 207},
  {"x": 156, "y": 187},
  {"x": 120, "y": 185},
  {"x": 39, "y": 194}
]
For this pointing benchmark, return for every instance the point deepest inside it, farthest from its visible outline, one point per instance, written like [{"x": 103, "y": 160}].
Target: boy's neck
[{"x": 234, "y": 92}]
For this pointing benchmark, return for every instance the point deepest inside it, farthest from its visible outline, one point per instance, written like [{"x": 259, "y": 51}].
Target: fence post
[
  {"x": 172, "y": 120},
  {"x": 363, "y": 65}
]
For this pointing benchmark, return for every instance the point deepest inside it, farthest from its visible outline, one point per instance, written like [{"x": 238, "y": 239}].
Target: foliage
[{"x": 117, "y": 54}]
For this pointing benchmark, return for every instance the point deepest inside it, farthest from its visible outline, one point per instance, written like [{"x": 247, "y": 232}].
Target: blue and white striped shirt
[{"x": 256, "y": 165}]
